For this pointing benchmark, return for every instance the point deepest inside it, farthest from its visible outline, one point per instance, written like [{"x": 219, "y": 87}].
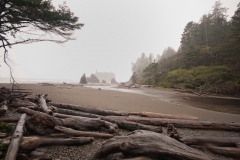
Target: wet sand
[{"x": 155, "y": 100}]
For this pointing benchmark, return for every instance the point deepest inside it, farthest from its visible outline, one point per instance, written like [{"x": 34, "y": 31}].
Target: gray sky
[{"x": 115, "y": 34}]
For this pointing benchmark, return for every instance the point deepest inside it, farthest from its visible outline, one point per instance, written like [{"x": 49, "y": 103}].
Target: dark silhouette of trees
[{"x": 83, "y": 79}]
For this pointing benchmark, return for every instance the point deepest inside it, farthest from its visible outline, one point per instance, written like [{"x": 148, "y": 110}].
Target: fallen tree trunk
[
  {"x": 225, "y": 151},
  {"x": 98, "y": 111},
  {"x": 43, "y": 124},
  {"x": 76, "y": 113},
  {"x": 131, "y": 126},
  {"x": 30, "y": 143},
  {"x": 72, "y": 132},
  {"x": 169, "y": 116},
  {"x": 15, "y": 140},
  {"x": 42, "y": 103},
  {"x": 149, "y": 144},
  {"x": 182, "y": 123},
  {"x": 9, "y": 120},
  {"x": 218, "y": 141}
]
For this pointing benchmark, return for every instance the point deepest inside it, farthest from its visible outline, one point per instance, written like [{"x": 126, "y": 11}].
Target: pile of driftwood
[{"x": 65, "y": 124}]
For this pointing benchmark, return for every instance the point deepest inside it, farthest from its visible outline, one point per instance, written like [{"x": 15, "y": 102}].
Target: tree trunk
[
  {"x": 131, "y": 126},
  {"x": 76, "y": 113},
  {"x": 42, "y": 103},
  {"x": 218, "y": 141},
  {"x": 149, "y": 144},
  {"x": 225, "y": 151},
  {"x": 9, "y": 120},
  {"x": 182, "y": 123},
  {"x": 69, "y": 131},
  {"x": 30, "y": 143},
  {"x": 169, "y": 116},
  {"x": 16, "y": 138},
  {"x": 43, "y": 124},
  {"x": 98, "y": 111}
]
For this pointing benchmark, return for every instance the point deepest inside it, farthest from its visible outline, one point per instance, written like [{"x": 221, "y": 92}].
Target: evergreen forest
[{"x": 208, "y": 59}]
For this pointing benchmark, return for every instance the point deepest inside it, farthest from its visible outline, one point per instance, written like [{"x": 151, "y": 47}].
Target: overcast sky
[{"x": 115, "y": 34}]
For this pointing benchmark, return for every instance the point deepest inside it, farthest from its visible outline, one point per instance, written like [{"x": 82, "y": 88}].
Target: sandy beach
[{"x": 151, "y": 99}]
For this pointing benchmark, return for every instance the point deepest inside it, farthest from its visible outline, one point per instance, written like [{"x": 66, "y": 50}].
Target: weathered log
[
  {"x": 76, "y": 113},
  {"x": 73, "y": 132},
  {"x": 131, "y": 126},
  {"x": 182, "y": 123},
  {"x": 98, "y": 111},
  {"x": 218, "y": 141},
  {"x": 40, "y": 153},
  {"x": 21, "y": 103},
  {"x": 30, "y": 143},
  {"x": 15, "y": 140},
  {"x": 43, "y": 104},
  {"x": 9, "y": 120},
  {"x": 225, "y": 151},
  {"x": 150, "y": 144},
  {"x": 169, "y": 116},
  {"x": 43, "y": 124},
  {"x": 138, "y": 158},
  {"x": 3, "y": 108}
]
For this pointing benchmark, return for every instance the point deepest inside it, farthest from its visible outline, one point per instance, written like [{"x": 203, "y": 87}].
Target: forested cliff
[{"x": 207, "y": 60}]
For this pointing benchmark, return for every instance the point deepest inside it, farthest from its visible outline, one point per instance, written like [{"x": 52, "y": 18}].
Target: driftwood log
[
  {"x": 40, "y": 153},
  {"x": 225, "y": 151},
  {"x": 131, "y": 126},
  {"x": 169, "y": 116},
  {"x": 182, "y": 123},
  {"x": 42, "y": 103},
  {"x": 9, "y": 120},
  {"x": 98, "y": 111},
  {"x": 72, "y": 132},
  {"x": 15, "y": 140},
  {"x": 30, "y": 143},
  {"x": 44, "y": 124},
  {"x": 76, "y": 113},
  {"x": 17, "y": 102},
  {"x": 149, "y": 144}
]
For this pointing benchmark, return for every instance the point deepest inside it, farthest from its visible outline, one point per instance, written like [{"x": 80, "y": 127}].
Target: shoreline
[{"x": 162, "y": 100}]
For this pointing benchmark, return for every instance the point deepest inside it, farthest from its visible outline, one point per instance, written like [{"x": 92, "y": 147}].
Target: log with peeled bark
[
  {"x": 98, "y": 111},
  {"x": 218, "y": 141},
  {"x": 30, "y": 143},
  {"x": 225, "y": 151},
  {"x": 9, "y": 120},
  {"x": 76, "y": 113},
  {"x": 16, "y": 138},
  {"x": 150, "y": 144},
  {"x": 72, "y": 132},
  {"x": 169, "y": 116},
  {"x": 182, "y": 123},
  {"x": 43, "y": 124},
  {"x": 131, "y": 126},
  {"x": 43, "y": 104}
]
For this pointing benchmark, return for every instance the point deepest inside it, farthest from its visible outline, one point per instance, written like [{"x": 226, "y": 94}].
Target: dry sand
[{"x": 154, "y": 100}]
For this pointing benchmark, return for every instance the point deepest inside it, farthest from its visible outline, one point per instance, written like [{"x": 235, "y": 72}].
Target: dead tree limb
[
  {"x": 131, "y": 126},
  {"x": 30, "y": 143},
  {"x": 72, "y": 132},
  {"x": 98, "y": 111},
  {"x": 169, "y": 116},
  {"x": 15, "y": 140},
  {"x": 182, "y": 123},
  {"x": 150, "y": 144}
]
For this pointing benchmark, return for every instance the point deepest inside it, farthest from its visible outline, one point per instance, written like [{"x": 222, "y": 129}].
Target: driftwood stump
[{"x": 150, "y": 144}]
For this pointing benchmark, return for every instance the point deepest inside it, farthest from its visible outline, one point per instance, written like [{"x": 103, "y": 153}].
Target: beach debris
[
  {"x": 98, "y": 111},
  {"x": 180, "y": 123},
  {"x": 149, "y": 144},
  {"x": 170, "y": 116},
  {"x": 131, "y": 126},
  {"x": 16, "y": 138},
  {"x": 3, "y": 107},
  {"x": 42, "y": 103}
]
